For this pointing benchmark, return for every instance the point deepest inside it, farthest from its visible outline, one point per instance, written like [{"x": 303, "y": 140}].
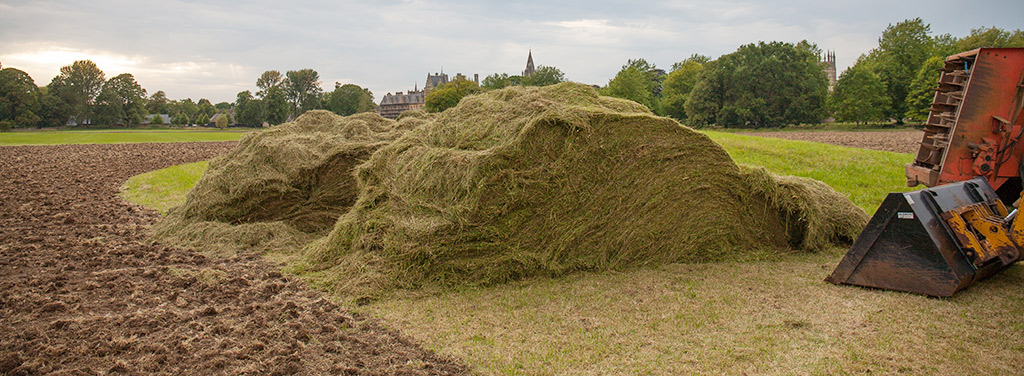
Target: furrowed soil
[
  {"x": 82, "y": 290},
  {"x": 903, "y": 141}
]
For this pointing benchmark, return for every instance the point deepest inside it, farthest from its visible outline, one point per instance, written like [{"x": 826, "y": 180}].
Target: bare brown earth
[
  {"x": 896, "y": 141},
  {"x": 82, "y": 290}
]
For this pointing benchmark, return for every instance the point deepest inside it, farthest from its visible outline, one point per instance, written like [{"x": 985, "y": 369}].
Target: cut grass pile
[
  {"x": 865, "y": 176},
  {"x": 115, "y": 137},
  {"x": 546, "y": 181},
  {"x": 279, "y": 188},
  {"x": 509, "y": 184}
]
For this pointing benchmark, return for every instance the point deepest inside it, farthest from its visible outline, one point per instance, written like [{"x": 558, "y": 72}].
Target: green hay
[
  {"x": 223, "y": 239},
  {"x": 816, "y": 216},
  {"x": 279, "y": 185},
  {"x": 510, "y": 184},
  {"x": 543, "y": 181}
]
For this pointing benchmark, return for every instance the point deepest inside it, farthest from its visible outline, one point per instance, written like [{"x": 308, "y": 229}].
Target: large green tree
[
  {"x": 945, "y": 45},
  {"x": 544, "y": 76},
  {"x": 206, "y": 111},
  {"x": 186, "y": 108},
  {"x": 990, "y": 37},
  {"x": 78, "y": 85},
  {"x": 677, "y": 86},
  {"x": 20, "y": 98},
  {"x": 248, "y": 109},
  {"x": 902, "y": 49},
  {"x": 158, "y": 103},
  {"x": 267, "y": 80},
  {"x": 303, "y": 91},
  {"x": 275, "y": 106},
  {"x": 499, "y": 81},
  {"x": 448, "y": 95},
  {"x": 921, "y": 86},
  {"x": 54, "y": 111},
  {"x": 859, "y": 96},
  {"x": 121, "y": 101},
  {"x": 349, "y": 99},
  {"x": 759, "y": 85},
  {"x": 637, "y": 81},
  {"x": 922, "y": 89},
  {"x": 696, "y": 58}
]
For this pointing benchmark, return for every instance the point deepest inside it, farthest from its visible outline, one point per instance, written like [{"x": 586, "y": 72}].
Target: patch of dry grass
[{"x": 774, "y": 317}]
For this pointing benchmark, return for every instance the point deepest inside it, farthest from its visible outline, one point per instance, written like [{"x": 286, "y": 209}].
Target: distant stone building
[
  {"x": 830, "y": 69},
  {"x": 435, "y": 80},
  {"x": 438, "y": 79},
  {"x": 392, "y": 105},
  {"x": 395, "y": 104}
]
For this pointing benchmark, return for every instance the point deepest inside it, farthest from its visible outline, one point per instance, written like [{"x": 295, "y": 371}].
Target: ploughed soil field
[
  {"x": 903, "y": 141},
  {"x": 82, "y": 290}
]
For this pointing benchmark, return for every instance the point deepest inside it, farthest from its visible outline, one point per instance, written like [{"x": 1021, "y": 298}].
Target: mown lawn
[
  {"x": 117, "y": 136},
  {"x": 865, "y": 176},
  {"x": 765, "y": 317}
]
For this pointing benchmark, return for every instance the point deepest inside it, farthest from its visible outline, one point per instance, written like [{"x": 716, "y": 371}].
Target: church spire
[{"x": 529, "y": 65}]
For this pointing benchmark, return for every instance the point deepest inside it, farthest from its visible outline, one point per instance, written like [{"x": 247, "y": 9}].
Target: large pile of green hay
[
  {"x": 509, "y": 184},
  {"x": 542, "y": 181},
  {"x": 282, "y": 187}
]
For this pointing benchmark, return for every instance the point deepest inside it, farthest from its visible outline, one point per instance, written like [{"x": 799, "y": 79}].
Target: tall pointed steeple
[{"x": 529, "y": 65}]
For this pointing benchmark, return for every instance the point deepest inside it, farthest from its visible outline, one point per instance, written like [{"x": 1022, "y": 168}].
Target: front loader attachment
[{"x": 909, "y": 246}]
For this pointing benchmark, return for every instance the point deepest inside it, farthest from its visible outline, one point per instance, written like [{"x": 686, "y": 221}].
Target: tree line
[
  {"x": 776, "y": 84},
  {"x": 773, "y": 84},
  {"x": 897, "y": 80},
  {"x": 82, "y": 95},
  {"x": 283, "y": 97}
]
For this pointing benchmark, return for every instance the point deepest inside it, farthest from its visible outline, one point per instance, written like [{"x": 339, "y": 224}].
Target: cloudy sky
[{"x": 214, "y": 49}]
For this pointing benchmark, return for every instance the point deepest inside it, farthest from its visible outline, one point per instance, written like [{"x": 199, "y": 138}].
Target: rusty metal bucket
[{"x": 908, "y": 247}]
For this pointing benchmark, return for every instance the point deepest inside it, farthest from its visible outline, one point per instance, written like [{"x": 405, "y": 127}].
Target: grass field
[
  {"x": 827, "y": 127},
  {"x": 163, "y": 189},
  {"x": 772, "y": 316},
  {"x": 117, "y": 136},
  {"x": 865, "y": 176}
]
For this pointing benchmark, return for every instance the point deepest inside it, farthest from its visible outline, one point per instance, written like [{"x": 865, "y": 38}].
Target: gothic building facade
[
  {"x": 395, "y": 104},
  {"x": 392, "y": 105}
]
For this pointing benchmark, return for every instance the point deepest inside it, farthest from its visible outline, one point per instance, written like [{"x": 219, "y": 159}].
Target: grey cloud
[{"x": 215, "y": 49}]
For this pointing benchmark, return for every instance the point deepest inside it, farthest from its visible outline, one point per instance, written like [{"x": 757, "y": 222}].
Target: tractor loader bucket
[{"x": 907, "y": 246}]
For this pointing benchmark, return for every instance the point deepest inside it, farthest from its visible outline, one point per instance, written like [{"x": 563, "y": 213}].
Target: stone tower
[
  {"x": 830, "y": 68},
  {"x": 529, "y": 65}
]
